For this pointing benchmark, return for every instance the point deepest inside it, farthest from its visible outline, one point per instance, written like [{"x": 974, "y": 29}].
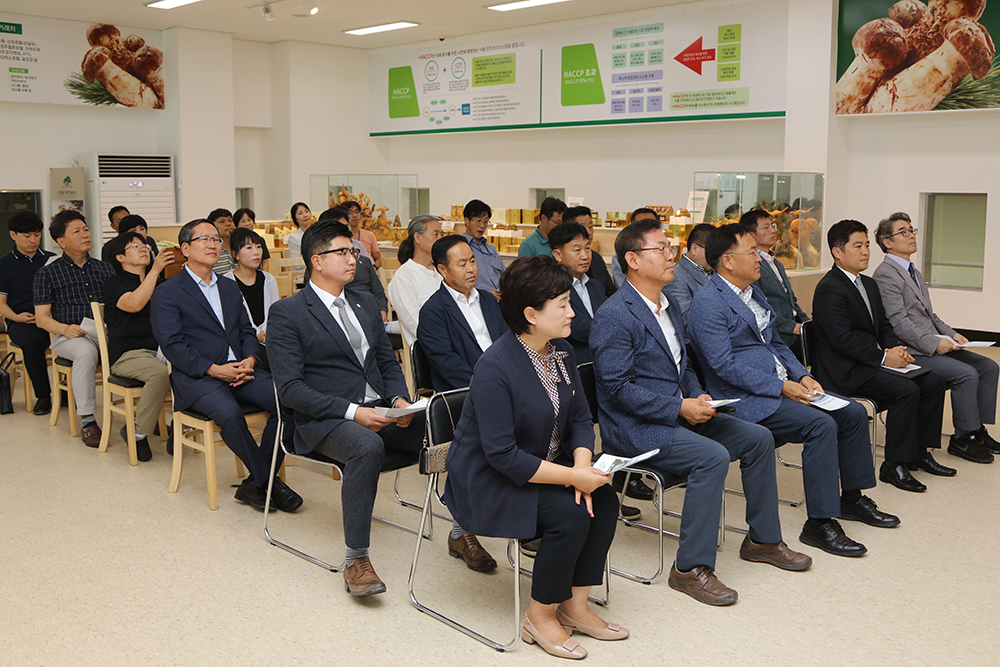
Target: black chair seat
[
  {"x": 393, "y": 460},
  {"x": 128, "y": 383},
  {"x": 194, "y": 414},
  {"x": 63, "y": 361},
  {"x": 667, "y": 480},
  {"x": 396, "y": 340}
]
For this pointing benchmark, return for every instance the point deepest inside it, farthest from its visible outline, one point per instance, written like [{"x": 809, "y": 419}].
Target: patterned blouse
[{"x": 549, "y": 366}]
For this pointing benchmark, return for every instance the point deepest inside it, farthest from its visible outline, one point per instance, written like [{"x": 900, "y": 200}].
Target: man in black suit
[
  {"x": 598, "y": 267},
  {"x": 571, "y": 248},
  {"x": 365, "y": 275},
  {"x": 333, "y": 365},
  {"x": 857, "y": 350}
]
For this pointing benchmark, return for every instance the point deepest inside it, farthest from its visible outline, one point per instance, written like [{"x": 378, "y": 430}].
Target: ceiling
[{"x": 448, "y": 18}]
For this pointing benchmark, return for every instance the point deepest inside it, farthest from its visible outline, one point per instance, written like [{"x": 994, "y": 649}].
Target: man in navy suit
[
  {"x": 203, "y": 328},
  {"x": 650, "y": 398},
  {"x": 333, "y": 367},
  {"x": 571, "y": 247},
  {"x": 690, "y": 273},
  {"x": 457, "y": 323},
  {"x": 733, "y": 334}
]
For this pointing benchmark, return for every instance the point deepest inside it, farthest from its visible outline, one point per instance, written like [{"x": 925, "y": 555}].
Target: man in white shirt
[{"x": 415, "y": 280}]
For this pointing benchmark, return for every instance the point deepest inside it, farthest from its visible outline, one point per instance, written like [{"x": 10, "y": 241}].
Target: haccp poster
[
  {"x": 723, "y": 60},
  {"x": 72, "y": 62},
  {"x": 916, "y": 56}
]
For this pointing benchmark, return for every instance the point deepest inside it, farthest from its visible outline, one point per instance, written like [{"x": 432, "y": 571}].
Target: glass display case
[
  {"x": 389, "y": 197},
  {"x": 794, "y": 200}
]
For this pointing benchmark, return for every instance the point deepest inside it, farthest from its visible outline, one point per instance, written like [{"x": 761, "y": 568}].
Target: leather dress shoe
[
  {"x": 43, "y": 406},
  {"x": 142, "y": 451},
  {"x": 636, "y": 488},
  {"x": 530, "y": 548},
  {"x": 360, "y": 579},
  {"x": 988, "y": 440},
  {"x": 866, "y": 511},
  {"x": 830, "y": 537},
  {"x": 468, "y": 548},
  {"x": 249, "y": 493},
  {"x": 283, "y": 497},
  {"x": 570, "y": 648},
  {"x": 969, "y": 446},
  {"x": 928, "y": 464},
  {"x": 702, "y": 584},
  {"x": 630, "y": 513},
  {"x": 899, "y": 476},
  {"x": 612, "y": 632},
  {"x": 91, "y": 435},
  {"x": 778, "y": 555}
]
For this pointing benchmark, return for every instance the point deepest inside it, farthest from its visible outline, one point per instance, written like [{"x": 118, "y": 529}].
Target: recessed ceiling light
[
  {"x": 381, "y": 28},
  {"x": 523, "y": 4},
  {"x": 170, "y": 4}
]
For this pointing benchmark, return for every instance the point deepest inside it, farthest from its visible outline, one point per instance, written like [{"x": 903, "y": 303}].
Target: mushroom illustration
[
  {"x": 879, "y": 47},
  {"x": 148, "y": 67},
  {"x": 967, "y": 49},
  {"x": 98, "y": 65},
  {"x": 908, "y": 13},
  {"x": 133, "y": 43},
  {"x": 108, "y": 36},
  {"x": 929, "y": 32}
]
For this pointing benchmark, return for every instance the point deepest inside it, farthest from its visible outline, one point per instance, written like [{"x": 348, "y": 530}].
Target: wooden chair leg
[
  {"x": 175, "y": 475},
  {"x": 133, "y": 458},
  {"x": 28, "y": 391},
  {"x": 56, "y": 397},
  {"x": 106, "y": 421},
  {"x": 163, "y": 424},
  {"x": 208, "y": 440},
  {"x": 74, "y": 419}
]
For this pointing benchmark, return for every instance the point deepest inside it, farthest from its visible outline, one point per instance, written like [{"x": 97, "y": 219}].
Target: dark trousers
[
  {"x": 833, "y": 442},
  {"x": 914, "y": 411},
  {"x": 972, "y": 379},
  {"x": 33, "y": 341},
  {"x": 223, "y": 407},
  {"x": 574, "y": 546},
  {"x": 361, "y": 451}
]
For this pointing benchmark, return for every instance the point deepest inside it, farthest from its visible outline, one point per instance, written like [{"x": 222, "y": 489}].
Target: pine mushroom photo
[{"x": 117, "y": 70}]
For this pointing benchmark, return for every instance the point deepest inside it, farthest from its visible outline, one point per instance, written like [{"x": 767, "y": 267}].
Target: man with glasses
[
  {"x": 333, "y": 366},
  {"x": 649, "y": 397},
  {"x": 774, "y": 283},
  {"x": 733, "y": 334},
  {"x": 477, "y": 216},
  {"x": 204, "y": 330},
  {"x": 935, "y": 345},
  {"x": 690, "y": 273}
]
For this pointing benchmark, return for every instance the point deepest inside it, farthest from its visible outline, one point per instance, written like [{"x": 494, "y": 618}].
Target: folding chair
[{"x": 422, "y": 383}]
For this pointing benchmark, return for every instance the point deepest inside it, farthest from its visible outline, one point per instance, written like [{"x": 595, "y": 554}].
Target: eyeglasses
[
  {"x": 354, "y": 212},
  {"x": 752, "y": 252},
  {"x": 136, "y": 246},
  {"x": 912, "y": 231},
  {"x": 773, "y": 225},
  {"x": 665, "y": 250},
  {"x": 343, "y": 252},
  {"x": 208, "y": 239},
  {"x": 481, "y": 220}
]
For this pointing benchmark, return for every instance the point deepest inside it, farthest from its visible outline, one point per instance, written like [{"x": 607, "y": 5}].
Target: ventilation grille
[{"x": 134, "y": 166}]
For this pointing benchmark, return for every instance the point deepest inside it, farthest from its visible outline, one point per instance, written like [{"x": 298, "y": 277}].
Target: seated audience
[
  {"x": 971, "y": 377},
  {"x": 17, "y": 305},
  {"x": 649, "y": 397},
  {"x": 63, "y": 291},
  {"x": 733, "y": 332},
  {"x": 520, "y": 463},
  {"x": 247, "y": 219},
  {"x": 223, "y": 221},
  {"x": 131, "y": 344},
  {"x": 598, "y": 267},
  {"x": 333, "y": 365},
  {"x": 116, "y": 215},
  {"x": 856, "y": 351},
  {"x": 456, "y": 323},
  {"x": 773, "y": 281},
  {"x": 366, "y": 278},
  {"x": 203, "y": 329},
  {"x": 415, "y": 280},
  {"x": 477, "y": 216},
  {"x": 691, "y": 273},
  {"x": 302, "y": 218},
  {"x": 550, "y": 214},
  {"x": 571, "y": 248},
  {"x": 369, "y": 242},
  {"x": 130, "y": 223},
  {"x": 638, "y": 215},
  {"x": 259, "y": 289}
]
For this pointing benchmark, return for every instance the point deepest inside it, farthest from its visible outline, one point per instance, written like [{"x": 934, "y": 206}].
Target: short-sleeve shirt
[
  {"x": 17, "y": 278},
  {"x": 70, "y": 288},
  {"x": 368, "y": 239},
  {"x": 536, "y": 244},
  {"x": 126, "y": 331}
]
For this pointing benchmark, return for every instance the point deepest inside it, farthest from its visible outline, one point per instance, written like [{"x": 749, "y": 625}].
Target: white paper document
[
  {"x": 419, "y": 406},
  {"x": 906, "y": 369},
  {"x": 828, "y": 402},
  {"x": 611, "y": 464},
  {"x": 722, "y": 401},
  {"x": 971, "y": 343}
]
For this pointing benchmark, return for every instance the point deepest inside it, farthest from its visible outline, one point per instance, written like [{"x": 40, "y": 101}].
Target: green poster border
[{"x": 585, "y": 123}]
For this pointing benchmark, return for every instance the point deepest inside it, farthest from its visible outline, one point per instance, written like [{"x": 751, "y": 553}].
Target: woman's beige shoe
[
  {"x": 570, "y": 649},
  {"x": 611, "y": 633}
]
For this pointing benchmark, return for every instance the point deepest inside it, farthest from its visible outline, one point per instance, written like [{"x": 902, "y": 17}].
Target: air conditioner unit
[{"x": 144, "y": 184}]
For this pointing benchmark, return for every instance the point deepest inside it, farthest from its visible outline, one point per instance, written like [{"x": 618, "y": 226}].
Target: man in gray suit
[
  {"x": 333, "y": 366},
  {"x": 690, "y": 273},
  {"x": 774, "y": 283},
  {"x": 971, "y": 377}
]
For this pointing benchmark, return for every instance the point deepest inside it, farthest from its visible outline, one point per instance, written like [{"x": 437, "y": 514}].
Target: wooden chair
[
  {"x": 126, "y": 390},
  {"x": 17, "y": 368},
  {"x": 294, "y": 267},
  {"x": 62, "y": 381},
  {"x": 286, "y": 284}
]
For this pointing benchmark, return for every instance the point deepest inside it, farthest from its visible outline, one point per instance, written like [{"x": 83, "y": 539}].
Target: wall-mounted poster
[
  {"x": 72, "y": 62},
  {"x": 917, "y": 56}
]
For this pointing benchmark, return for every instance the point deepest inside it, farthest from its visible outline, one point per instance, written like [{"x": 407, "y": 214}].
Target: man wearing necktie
[
  {"x": 971, "y": 377},
  {"x": 857, "y": 350}
]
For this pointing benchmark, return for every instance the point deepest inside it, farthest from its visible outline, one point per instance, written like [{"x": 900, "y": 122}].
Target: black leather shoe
[
  {"x": 830, "y": 538},
  {"x": 970, "y": 447},
  {"x": 248, "y": 493},
  {"x": 866, "y": 511},
  {"x": 630, "y": 513},
  {"x": 43, "y": 406},
  {"x": 897, "y": 475},
  {"x": 928, "y": 464},
  {"x": 988, "y": 440},
  {"x": 283, "y": 497},
  {"x": 636, "y": 489}
]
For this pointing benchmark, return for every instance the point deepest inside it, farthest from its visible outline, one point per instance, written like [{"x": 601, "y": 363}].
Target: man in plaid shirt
[{"x": 63, "y": 291}]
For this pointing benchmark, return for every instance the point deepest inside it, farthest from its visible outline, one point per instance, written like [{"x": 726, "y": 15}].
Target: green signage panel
[
  {"x": 729, "y": 72},
  {"x": 18, "y": 70},
  {"x": 402, "y": 93},
  {"x": 10, "y": 28},
  {"x": 730, "y": 33},
  {"x": 729, "y": 53},
  {"x": 710, "y": 99},
  {"x": 656, "y": 56},
  {"x": 637, "y": 59},
  {"x": 636, "y": 30},
  {"x": 619, "y": 60},
  {"x": 581, "y": 76},
  {"x": 494, "y": 70}
]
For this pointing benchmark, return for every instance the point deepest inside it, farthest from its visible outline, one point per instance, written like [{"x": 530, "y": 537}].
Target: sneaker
[{"x": 970, "y": 447}]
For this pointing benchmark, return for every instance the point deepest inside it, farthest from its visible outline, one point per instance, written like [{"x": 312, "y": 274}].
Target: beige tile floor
[{"x": 100, "y": 565}]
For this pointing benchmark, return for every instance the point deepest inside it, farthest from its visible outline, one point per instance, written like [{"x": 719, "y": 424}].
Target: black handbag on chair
[{"x": 6, "y": 406}]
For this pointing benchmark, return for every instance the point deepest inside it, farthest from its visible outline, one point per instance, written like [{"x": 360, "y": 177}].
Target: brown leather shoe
[
  {"x": 702, "y": 584},
  {"x": 91, "y": 435},
  {"x": 468, "y": 548},
  {"x": 360, "y": 579},
  {"x": 778, "y": 555}
]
